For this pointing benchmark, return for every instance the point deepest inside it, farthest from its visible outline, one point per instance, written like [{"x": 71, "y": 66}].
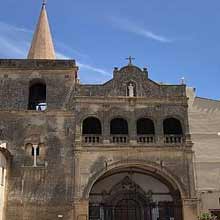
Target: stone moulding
[{"x": 36, "y": 64}]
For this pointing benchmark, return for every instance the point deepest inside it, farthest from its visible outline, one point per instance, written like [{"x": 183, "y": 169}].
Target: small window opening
[
  {"x": 37, "y": 151},
  {"x": 145, "y": 126},
  {"x": 37, "y": 97},
  {"x": 92, "y": 125},
  {"x": 172, "y": 126},
  {"x": 119, "y": 126}
]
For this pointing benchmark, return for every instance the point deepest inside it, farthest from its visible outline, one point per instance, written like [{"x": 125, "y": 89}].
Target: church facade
[{"x": 117, "y": 151}]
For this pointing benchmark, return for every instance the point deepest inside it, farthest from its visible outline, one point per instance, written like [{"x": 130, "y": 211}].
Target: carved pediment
[{"x": 126, "y": 184}]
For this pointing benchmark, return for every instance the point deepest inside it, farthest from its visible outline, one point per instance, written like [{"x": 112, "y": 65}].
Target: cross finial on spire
[
  {"x": 183, "y": 82},
  {"x": 44, "y": 2},
  {"x": 130, "y": 58}
]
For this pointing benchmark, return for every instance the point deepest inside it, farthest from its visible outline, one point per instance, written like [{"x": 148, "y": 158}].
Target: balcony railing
[
  {"x": 173, "y": 139},
  {"x": 119, "y": 139},
  {"x": 147, "y": 139},
  {"x": 91, "y": 139}
]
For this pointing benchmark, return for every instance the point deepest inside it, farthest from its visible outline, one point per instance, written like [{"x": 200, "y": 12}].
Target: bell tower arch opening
[
  {"x": 37, "y": 96},
  {"x": 133, "y": 193}
]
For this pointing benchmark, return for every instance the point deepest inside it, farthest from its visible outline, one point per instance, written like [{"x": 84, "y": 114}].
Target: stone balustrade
[
  {"x": 119, "y": 139},
  {"x": 173, "y": 139},
  {"x": 92, "y": 139},
  {"x": 147, "y": 139}
]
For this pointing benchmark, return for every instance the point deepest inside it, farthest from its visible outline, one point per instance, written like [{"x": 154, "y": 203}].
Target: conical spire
[{"x": 42, "y": 44}]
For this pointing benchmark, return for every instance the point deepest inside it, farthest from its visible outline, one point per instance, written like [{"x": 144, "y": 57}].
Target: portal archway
[{"x": 134, "y": 193}]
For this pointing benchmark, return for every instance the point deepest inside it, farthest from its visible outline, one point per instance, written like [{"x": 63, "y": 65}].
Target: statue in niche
[{"x": 131, "y": 90}]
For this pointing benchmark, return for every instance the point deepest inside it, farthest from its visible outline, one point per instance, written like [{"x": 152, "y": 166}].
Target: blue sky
[{"x": 173, "y": 38}]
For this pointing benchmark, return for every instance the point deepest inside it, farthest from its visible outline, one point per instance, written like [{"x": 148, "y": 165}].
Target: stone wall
[
  {"x": 49, "y": 185},
  {"x": 16, "y": 76},
  {"x": 66, "y": 165},
  {"x": 204, "y": 117}
]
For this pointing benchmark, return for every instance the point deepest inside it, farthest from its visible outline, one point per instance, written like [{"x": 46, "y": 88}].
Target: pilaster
[
  {"x": 80, "y": 209},
  {"x": 190, "y": 209}
]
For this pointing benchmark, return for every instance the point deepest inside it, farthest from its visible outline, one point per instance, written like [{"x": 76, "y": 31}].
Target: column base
[
  {"x": 190, "y": 211},
  {"x": 80, "y": 210}
]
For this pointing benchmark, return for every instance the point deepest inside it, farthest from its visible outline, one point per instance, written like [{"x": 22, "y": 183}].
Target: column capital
[{"x": 190, "y": 202}]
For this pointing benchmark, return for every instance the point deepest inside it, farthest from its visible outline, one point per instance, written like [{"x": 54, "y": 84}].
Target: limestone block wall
[
  {"x": 49, "y": 186},
  {"x": 17, "y": 75},
  {"x": 204, "y": 120},
  {"x": 176, "y": 161},
  {"x": 65, "y": 165}
]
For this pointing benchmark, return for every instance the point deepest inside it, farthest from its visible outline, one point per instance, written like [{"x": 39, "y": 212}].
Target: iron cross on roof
[
  {"x": 44, "y": 2},
  {"x": 130, "y": 60}
]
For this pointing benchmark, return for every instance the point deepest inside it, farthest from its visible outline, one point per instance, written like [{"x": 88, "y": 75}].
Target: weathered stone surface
[
  {"x": 66, "y": 166},
  {"x": 204, "y": 115}
]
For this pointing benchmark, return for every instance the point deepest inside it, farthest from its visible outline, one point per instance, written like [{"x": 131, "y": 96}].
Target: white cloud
[
  {"x": 15, "y": 42},
  {"x": 70, "y": 50},
  {"x": 9, "y": 47},
  {"x": 8, "y": 27},
  {"x": 85, "y": 66},
  {"x": 62, "y": 56},
  {"x": 131, "y": 27},
  {"x": 94, "y": 69}
]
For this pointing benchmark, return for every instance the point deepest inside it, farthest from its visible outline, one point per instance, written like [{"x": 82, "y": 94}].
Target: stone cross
[
  {"x": 44, "y": 2},
  {"x": 130, "y": 60}
]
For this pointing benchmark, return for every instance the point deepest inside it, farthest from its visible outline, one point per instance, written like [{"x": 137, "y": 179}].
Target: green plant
[{"x": 207, "y": 216}]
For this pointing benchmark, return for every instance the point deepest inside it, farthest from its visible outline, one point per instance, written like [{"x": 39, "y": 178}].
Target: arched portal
[{"x": 133, "y": 193}]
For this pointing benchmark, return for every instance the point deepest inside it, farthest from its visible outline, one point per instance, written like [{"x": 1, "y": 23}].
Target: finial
[
  {"x": 44, "y": 3},
  {"x": 183, "y": 82},
  {"x": 130, "y": 60}
]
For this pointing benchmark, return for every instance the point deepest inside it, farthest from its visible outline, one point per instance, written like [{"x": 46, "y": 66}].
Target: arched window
[
  {"x": 91, "y": 130},
  {"x": 119, "y": 126},
  {"x": 145, "y": 130},
  {"x": 37, "y": 153},
  {"x": 172, "y": 126},
  {"x": 145, "y": 126},
  {"x": 91, "y": 125},
  {"x": 37, "y": 97}
]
